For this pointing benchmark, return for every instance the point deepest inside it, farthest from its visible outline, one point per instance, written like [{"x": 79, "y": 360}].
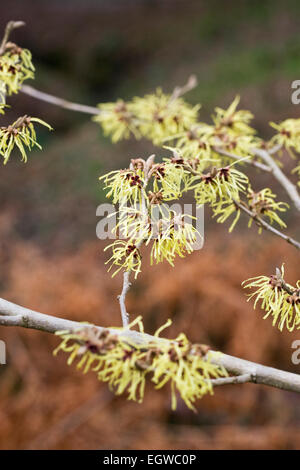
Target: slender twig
[
  {"x": 262, "y": 223},
  {"x": 11, "y": 25},
  {"x": 181, "y": 90},
  {"x": 82, "y": 108},
  {"x": 15, "y": 315},
  {"x": 259, "y": 165},
  {"x": 283, "y": 284},
  {"x": 122, "y": 298},
  {"x": 40, "y": 95}
]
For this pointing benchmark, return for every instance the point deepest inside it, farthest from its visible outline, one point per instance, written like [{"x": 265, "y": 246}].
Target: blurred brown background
[{"x": 51, "y": 260}]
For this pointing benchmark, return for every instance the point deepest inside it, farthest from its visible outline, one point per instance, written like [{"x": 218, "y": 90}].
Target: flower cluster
[
  {"x": 262, "y": 204},
  {"x": 124, "y": 363},
  {"x": 171, "y": 177},
  {"x": 118, "y": 120},
  {"x": 125, "y": 185},
  {"x": 236, "y": 121},
  {"x": 125, "y": 255},
  {"x": 167, "y": 180},
  {"x": 170, "y": 234},
  {"x": 154, "y": 116},
  {"x": 288, "y": 135},
  {"x": 162, "y": 118},
  {"x": 196, "y": 143},
  {"x": 20, "y": 134},
  {"x": 142, "y": 191},
  {"x": 278, "y": 299},
  {"x": 230, "y": 134},
  {"x": 15, "y": 67},
  {"x": 171, "y": 237},
  {"x": 162, "y": 115},
  {"x": 218, "y": 186}
]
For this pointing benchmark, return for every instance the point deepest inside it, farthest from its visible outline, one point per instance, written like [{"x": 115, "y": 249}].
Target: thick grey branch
[
  {"x": 259, "y": 374},
  {"x": 15, "y": 315}
]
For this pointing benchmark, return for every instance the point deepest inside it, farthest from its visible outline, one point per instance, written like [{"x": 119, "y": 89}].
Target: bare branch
[
  {"x": 15, "y": 315},
  {"x": 259, "y": 374},
  {"x": 40, "y": 95},
  {"x": 181, "y": 90},
  {"x": 122, "y": 298},
  {"x": 11, "y": 25},
  {"x": 284, "y": 285},
  {"x": 262, "y": 223}
]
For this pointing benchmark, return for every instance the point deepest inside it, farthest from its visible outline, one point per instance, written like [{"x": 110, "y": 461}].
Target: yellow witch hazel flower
[
  {"x": 196, "y": 143},
  {"x": 125, "y": 185},
  {"x": 288, "y": 135},
  {"x": 172, "y": 236},
  {"x": 15, "y": 67},
  {"x": 126, "y": 256},
  {"x": 162, "y": 115},
  {"x": 235, "y": 144},
  {"x": 219, "y": 185},
  {"x": 224, "y": 210},
  {"x": 3, "y": 104},
  {"x": 20, "y": 134},
  {"x": 261, "y": 204},
  {"x": 187, "y": 367},
  {"x": 169, "y": 233},
  {"x": 124, "y": 363},
  {"x": 155, "y": 117},
  {"x": 171, "y": 177},
  {"x": 118, "y": 120},
  {"x": 278, "y": 299},
  {"x": 235, "y": 121},
  {"x": 132, "y": 223},
  {"x": 108, "y": 355}
]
